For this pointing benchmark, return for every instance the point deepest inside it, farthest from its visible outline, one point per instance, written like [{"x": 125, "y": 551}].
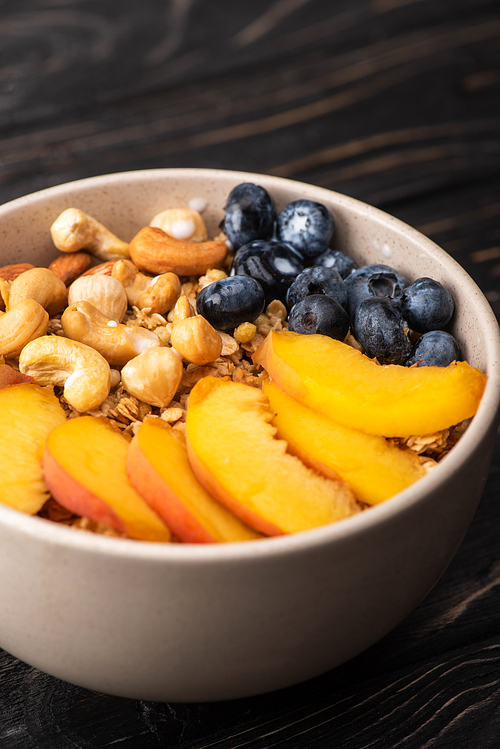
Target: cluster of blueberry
[{"x": 287, "y": 257}]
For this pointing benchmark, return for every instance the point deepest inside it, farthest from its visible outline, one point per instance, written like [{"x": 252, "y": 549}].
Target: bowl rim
[{"x": 486, "y": 417}]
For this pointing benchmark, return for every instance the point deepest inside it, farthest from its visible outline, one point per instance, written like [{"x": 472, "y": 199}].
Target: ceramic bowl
[{"x": 209, "y": 622}]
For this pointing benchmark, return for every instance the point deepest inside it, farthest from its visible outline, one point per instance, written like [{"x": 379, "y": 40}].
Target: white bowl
[{"x": 209, "y": 622}]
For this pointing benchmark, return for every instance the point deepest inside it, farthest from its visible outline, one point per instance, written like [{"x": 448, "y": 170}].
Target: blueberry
[
  {"x": 427, "y": 305},
  {"x": 319, "y": 314},
  {"x": 379, "y": 327},
  {"x": 317, "y": 280},
  {"x": 434, "y": 349},
  {"x": 273, "y": 264},
  {"x": 231, "y": 301},
  {"x": 249, "y": 215},
  {"x": 337, "y": 260},
  {"x": 306, "y": 225},
  {"x": 376, "y": 280}
]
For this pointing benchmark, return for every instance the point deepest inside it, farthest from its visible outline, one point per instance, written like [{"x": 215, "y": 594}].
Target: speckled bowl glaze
[{"x": 210, "y": 622}]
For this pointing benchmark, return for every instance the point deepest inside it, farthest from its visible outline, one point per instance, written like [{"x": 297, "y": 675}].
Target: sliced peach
[
  {"x": 233, "y": 451},
  {"x": 374, "y": 468},
  {"x": 391, "y": 400},
  {"x": 84, "y": 467},
  {"x": 158, "y": 468},
  {"x": 28, "y": 413}
]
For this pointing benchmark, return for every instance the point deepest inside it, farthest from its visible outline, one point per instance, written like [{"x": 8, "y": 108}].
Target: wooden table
[{"x": 395, "y": 102}]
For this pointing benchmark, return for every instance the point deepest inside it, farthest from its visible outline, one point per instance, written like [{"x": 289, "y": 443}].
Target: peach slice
[
  {"x": 391, "y": 400},
  {"x": 158, "y": 468},
  {"x": 373, "y": 467},
  {"x": 233, "y": 451},
  {"x": 28, "y": 413},
  {"x": 84, "y": 467}
]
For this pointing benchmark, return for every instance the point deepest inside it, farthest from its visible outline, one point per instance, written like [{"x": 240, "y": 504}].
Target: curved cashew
[
  {"x": 192, "y": 336},
  {"x": 158, "y": 294},
  {"x": 104, "y": 292},
  {"x": 84, "y": 373},
  {"x": 4, "y": 292},
  {"x": 153, "y": 376},
  {"x": 155, "y": 251},
  {"x": 42, "y": 285},
  {"x": 181, "y": 223},
  {"x": 75, "y": 230},
  {"x": 116, "y": 342},
  {"x": 20, "y": 325}
]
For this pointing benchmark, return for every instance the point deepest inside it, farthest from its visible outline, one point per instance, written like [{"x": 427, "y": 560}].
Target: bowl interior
[{"x": 126, "y": 202}]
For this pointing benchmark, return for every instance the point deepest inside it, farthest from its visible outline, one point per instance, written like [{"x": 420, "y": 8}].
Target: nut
[
  {"x": 182, "y": 310},
  {"x": 157, "y": 294},
  {"x": 155, "y": 251},
  {"x": 84, "y": 373},
  {"x": 118, "y": 343},
  {"x": 10, "y": 272},
  {"x": 75, "y": 230},
  {"x": 181, "y": 223},
  {"x": 193, "y": 337},
  {"x": 69, "y": 267},
  {"x": 104, "y": 292},
  {"x": 4, "y": 293},
  {"x": 42, "y": 285},
  {"x": 103, "y": 269},
  {"x": 24, "y": 322},
  {"x": 153, "y": 376}
]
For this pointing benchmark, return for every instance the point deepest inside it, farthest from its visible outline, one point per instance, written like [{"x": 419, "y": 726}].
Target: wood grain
[{"x": 395, "y": 102}]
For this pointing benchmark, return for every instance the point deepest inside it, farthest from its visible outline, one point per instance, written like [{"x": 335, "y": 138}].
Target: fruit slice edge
[
  {"x": 374, "y": 468},
  {"x": 28, "y": 413},
  {"x": 234, "y": 453},
  {"x": 158, "y": 468},
  {"x": 84, "y": 467},
  {"x": 391, "y": 400}
]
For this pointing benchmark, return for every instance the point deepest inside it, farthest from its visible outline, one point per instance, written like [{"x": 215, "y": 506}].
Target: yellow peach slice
[
  {"x": 233, "y": 451},
  {"x": 158, "y": 468},
  {"x": 374, "y": 468},
  {"x": 28, "y": 413},
  {"x": 391, "y": 400},
  {"x": 84, "y": 467}
]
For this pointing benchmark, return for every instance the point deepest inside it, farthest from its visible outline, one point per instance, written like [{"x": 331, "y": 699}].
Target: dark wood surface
[{"x": 395, "y": 102}]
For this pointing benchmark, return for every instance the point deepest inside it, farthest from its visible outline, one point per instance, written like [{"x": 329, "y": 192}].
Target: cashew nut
[
  {"x": 158, "y": 294},
  {"x": 192, "y": 336},
  {"x": 4, "y": 292},
  {"x": 116, "y": 342},
  {"x": 75, "y": 230},
  {"x": 181, "y": 223},
  {"x": 84, "y": 373},
  {"x": 104, "y": 292},
  {"x": 153, "y": 376},
  {"x": 42, "y": 285},
  {"x": 20, "y": 325},
  {"x": 155, "y": 251}
]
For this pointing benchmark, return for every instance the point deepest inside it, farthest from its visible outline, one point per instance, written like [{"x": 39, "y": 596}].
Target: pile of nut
[{"x": 121, "y": 338}]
